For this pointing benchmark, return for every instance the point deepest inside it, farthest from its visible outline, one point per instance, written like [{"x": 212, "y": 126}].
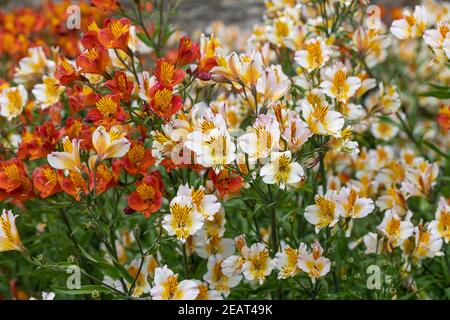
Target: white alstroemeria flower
[
  {"x": 183, "y": 220},
  {"x": 320, "y": 119},
  {"x": 286, "y": 262},
  {"x": 337, "y": 84},
  {"x": 435, "y": 37},
  {"x": 47, "y": 93},
  {"x": 217, "y": 279},
  {"x": 315, "y": 55},
  {"x": 146, "y": 82},
  {"x": 441, "y": 224},
  {"x": 261, "y": 139},
  {"x": 258, "y": 264},
  {"x": 351, "y": 205},
  {"x": 313, "y": 263},
  {"x": 428, "y": 243},
  {"x": 112, "y": 144},
  {"x": 167, "y": 286},
  {"x": 33, "y": 67},
  {"x": 12, "y": 101},
  {"x": 273, "y": 84},
  {"x": 9, "y": 235},
  {"x": 325, "y": 212},
  {"x": 205, "y": 204},
  {"x": 394, "y": 229},
  {"x": 69, "y": 159},
  {"x": 212, "y": 149},
  {"x": 282, "y": 170},
  {"x": 412, "y": 25}
]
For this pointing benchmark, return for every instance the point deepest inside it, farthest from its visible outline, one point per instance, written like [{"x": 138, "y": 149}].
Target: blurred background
[{"x": 196, "y": 14}]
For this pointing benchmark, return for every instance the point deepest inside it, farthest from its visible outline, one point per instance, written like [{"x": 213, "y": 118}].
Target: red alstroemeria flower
[
  {"x": 148, "y": 197},
  {"x": 40, "y": 142},
  {"x": 95, "y": 60},
  {"x": 225, "y": 182},
  {"x": 65, "y": 72},
  {"x": 164, "y": 102},
  {"x": 45, "y": 180},
  {"x": 138, "y": 159},
  {"x": 120, "y": 85},
  {"x": 14, "y": 180},
  {"x": 116, "y": 34},
  {"x": 166, "y": 74},
  {"x": 188, "y": 52},
  {"x": 107, "y": 112},
  {"x": 73, "y": 184}
]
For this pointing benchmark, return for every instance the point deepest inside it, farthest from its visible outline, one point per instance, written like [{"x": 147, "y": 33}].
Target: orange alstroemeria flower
[
  {"x": 148, "y": 197},
  {"x": 65, "y": 72},
  {"x": 226, "y": 182},
  {"x": 95, "y": 60},
  {"x": 105, "y": 177},
  {"x": 73, "y": 184},
  {"x": 107, "y": 112},
  {"x": 45, "y": 181},
  {"x": 14, "y": 180},
  {"x": 164, "y": 102},
  {"x": 121, "y": 85},
  {"x": 166, "y": 74},
  {"x": 138, "y": 159},
  {"x": 39, "y": 143},
  {"x": 188, "y": 52},
  {"x": 76, "y": 128},
  {"x": 116, "y": 34}
]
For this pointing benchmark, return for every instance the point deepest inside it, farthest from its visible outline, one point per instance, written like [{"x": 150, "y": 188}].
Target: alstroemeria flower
[
  {"x": 313, "y": 263},
  {"x": 45, "y": 180},
  {"x": 324, "y": 213},
  {"x": 48, "y": 93},
  {"x": 121, "y": 85},
  {"x": 69, "y": 159},
  {"x": 394, "y": 229},
  {"x": 138, "y": 159},
  {"x": 167, "y": 286},
  {"x": 258, "y": 264},
  {"x": 12, "y": 101},
  {"x": 315, "y": 55},
  {"x": 183, "y": 220},
  {"x": 107, "y": 112},
  {"x": 188, "y": 52},
  {"x": 441, "y": 224},
  {"x": 115, "y": 34},
  {"x": 95, "y": 60},
  {"x": 282, "y": 170},
  {"x": 65, "y": 71},
  {"x": 412, "y": 25},
  {"x": 166, "y": 73},
  {"x": 164, "y": 102},
  {"x": 350, "y": 204},
  {"x": 112, "y": 144},
  {"x": 320, "y": 119},
  {"x": 9, "y": 235},
  {"x": 337, "y": 84},
  {"x": 147, "y": 198}
]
